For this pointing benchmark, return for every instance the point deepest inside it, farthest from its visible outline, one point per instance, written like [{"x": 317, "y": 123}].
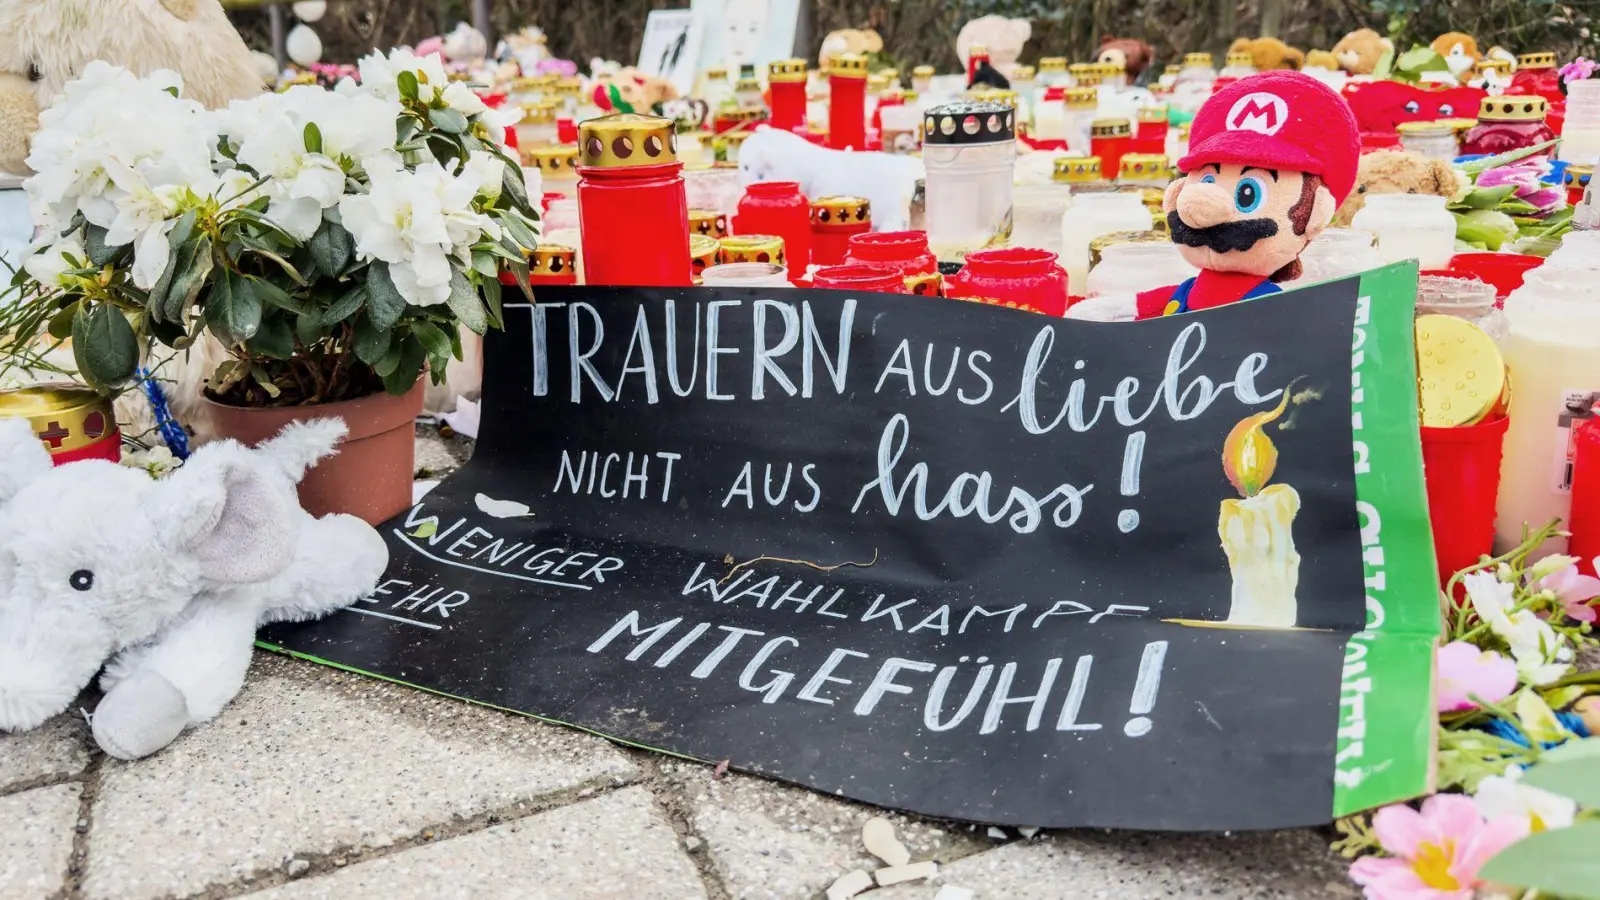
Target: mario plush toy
[{"x": 1271, "y": 157}]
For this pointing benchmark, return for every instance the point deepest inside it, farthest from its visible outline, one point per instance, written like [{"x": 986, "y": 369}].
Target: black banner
[{"x": 938, "y": 556}]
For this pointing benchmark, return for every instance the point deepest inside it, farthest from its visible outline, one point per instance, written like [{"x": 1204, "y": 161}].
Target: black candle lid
[{"x": 971, "y": 122}]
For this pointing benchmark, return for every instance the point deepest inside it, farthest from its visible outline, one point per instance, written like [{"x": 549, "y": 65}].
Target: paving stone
[
  {"x": 308, "y": 761},
  {"x": 57, "y": 749},
  {"x": 617, "y": 845},
  {"x": 38, "y": 844},
  {"x": 1293, "y": 865},
  {"x": 768, "y": 840}
]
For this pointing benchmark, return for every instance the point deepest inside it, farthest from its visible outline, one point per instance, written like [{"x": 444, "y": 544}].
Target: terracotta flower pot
[{"x": 370, "y": 476}]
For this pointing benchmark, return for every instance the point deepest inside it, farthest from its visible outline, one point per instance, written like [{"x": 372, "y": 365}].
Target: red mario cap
[{"x": 1285, "y": 120}]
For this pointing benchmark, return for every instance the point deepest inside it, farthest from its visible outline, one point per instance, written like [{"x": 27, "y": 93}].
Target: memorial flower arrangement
[
  {"x": 1518, "y": 815},
  {"x": 334, "y": 242},
  {"x": 1502, "y": 199}
]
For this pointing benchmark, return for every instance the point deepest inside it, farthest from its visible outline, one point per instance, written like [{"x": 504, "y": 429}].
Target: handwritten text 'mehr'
[{"x": 789, "y": 350}]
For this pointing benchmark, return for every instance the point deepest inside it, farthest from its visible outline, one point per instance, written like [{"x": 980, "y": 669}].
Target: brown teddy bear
[
  {"x": 1322, "y": 59},
  {"x": 1132, "y": 55},
  {"x": 1267, "y": 54},
  {"x": 1460, "y": 51},
  {"x": 1359, "y": 51},
  {"x": 1396, "y": 172}
]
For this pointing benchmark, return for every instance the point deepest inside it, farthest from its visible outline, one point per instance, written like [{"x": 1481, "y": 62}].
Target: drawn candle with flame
[{"x": 1257, "y": 531}]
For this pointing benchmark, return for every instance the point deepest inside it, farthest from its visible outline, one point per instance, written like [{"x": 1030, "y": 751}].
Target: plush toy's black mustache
[{"x": 1222, "y": 237}]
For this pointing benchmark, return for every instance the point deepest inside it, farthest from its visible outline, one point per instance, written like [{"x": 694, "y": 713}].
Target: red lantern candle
[
  {"x": 1508, "y": 122},
  {"x": 553, "y": 264},
  {"x": 778, "y": 208},
  {"x": 834, "y": 221},
  {"x": 73, "y": 422},
  {"x": 1584, "y": 521},
  {"x": 786, "y": 82},
  {"x": 1109, "y": 139},
  {"x": 1537, "y": 75},
  {"x": 1015, "y": 277},
  {"x": 633, "y": 217},
  {"x": 703, "y": 250},
  {"x": 904, "y": 250},
  {"x": 1150, "y": 135},
  {"x": 847, "y": 102},
  {"x": 866, "y": 277}
]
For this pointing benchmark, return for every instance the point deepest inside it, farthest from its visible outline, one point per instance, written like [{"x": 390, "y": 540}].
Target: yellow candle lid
[
  {"x": 1461, "y": 375},
  {"x": 627, "y": 139}
]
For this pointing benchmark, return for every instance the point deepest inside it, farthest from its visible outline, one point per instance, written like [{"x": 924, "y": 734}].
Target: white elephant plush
[
  {"x": 886, "y": 180},
  {"x": 167, "y": 578}
]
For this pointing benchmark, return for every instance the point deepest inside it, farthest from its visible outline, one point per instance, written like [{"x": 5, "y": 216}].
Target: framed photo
[
  {"x": 736, "y": 32},
  {"x": 671, "y": 47}
]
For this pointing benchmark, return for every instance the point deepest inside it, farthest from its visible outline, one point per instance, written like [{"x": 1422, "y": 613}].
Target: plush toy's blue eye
[
  {"x": 1208, "y": 179},
  {"x": 1248, "y": 195}
]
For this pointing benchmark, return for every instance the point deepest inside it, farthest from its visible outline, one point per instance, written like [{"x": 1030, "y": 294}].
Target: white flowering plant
[{"x": 334, "y": 241}]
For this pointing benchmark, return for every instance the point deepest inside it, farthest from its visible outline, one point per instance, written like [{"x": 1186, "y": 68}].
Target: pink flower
[
  {"x": 1578, "y": 70},
  {"x": 1466, "y": 672},
  {"x": 1529, "y": 189},
  {"x": 1435, "y": 853},
  {"x": 1574, "y": 590}
]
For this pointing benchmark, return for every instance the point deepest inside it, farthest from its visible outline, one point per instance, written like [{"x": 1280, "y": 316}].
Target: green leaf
[
  {"x": 1569, "y": 770},
  {"x": 405, "y": 373},
  {"x": 408, "y": 85},
  {"x": 1505, "y": 159},
  {"x": 466, "y": 304},
  {"x": 484, "y": 264},
  {"x": 1561, "y": 862},
  {"x": 192, "y": 264},
  {"x": 60, "y": 326},
  {"x": 433, "y": 338},
  {"x": 234, "y": 309},
  {"x": 274, "y": 295},
  {"x": 308, "y": 328},
  {"x": 1488, "y": 198},
  {"x": 427, "y": 529},
  {"x": 282, "y": 263},
  {"x": 519, "y": 271},
  {"x": 331, "y": 247},
  {"x": 384, "y": 303},
  {"x": 448, "y": 120},
  {"x": 372, "y": 342},
  {"x": 313, "y": 138},
  {"x": 345, "y": 306},
  {"x": 491, "y": 290},
  {"x": 406, "y": 129},
  {"x": 273, "y": 339},
  {"x": 94, "y": 243},
  {"x": 513, "y": 188},
  {"x": 104, "y": 346},
  {"x": 181, "y": 232}
]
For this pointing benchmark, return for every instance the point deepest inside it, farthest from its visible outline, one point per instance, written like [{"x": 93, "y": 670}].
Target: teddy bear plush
[
  {"x": 1134, "y": 56},
  {"x": 1002, "y": 37},
  {"x": 167, "y": 578},
  {"x": 1268, "y": 54},
  {"x": 1396, "y": 172},
  {"x": 860, "y": 41},
  {"x": 1460, "y": 51},
  {"x": 1359, "y": 51}
]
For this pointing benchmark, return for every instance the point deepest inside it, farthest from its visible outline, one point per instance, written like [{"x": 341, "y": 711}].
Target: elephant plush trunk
[{"x": 45, "y": 661}]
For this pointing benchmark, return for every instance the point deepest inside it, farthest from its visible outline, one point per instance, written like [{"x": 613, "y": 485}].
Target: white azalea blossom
[
  {"x": 1506, "y": 795},
  {"x": 461, "y": 98},
  {"x": 417, "y": 222},
  {"x": 1541, "y": 654},
  {"x": 50, "y": 265}
]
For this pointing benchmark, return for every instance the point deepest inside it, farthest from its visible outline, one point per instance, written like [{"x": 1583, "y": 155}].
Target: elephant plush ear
[
  {"x": 183, "y": 9},
  {"x": 225, "y": 509},
  {"x": 22, "y": 457}
]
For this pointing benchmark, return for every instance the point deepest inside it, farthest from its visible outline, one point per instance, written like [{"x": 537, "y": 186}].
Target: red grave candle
[
  {"x": 1508, "y": 122},
  {"x": 632, "y": 214},
  {"x": 977, "y": 53},
  {"x": 1537, "y": 74},
  {"x": 834, "y": 221},
  {"x": 1150, "y": 134},
  {"x": 872, "y": 278},
  {"x": 1109, "y": 139},
  {"x": 778, "y": 208},
  {"x": 847, "y": 103},
  {"x": 1584, "y": 521},
  {"x": 905, "y": 250},
  {"x": 549, "y": 264},
  {"x": 1015, "y": 277},
  {"x": 786, "y": 83}
]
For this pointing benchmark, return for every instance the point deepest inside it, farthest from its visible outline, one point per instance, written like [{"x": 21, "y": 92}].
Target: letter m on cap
[{"x": 1260, "y": 112}]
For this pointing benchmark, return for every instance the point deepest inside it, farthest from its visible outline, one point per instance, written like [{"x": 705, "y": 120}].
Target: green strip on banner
[{"x": 1386, "y": 737}]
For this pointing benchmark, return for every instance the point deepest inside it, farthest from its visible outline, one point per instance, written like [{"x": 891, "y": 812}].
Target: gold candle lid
[
  {"x": 1022, "y": 73},
  {"x": 1459, "y": 125},
  {"x": 1172, "y": 69},
  {"x": 1460, "y": 372},
  {"x": 569, "y": 86},
  {"x": 556, "y": 162},
  {"x": 622, "y": 140},
  {"x": 539, "y": 113},
  {"x": 1110, "y": 128},
  {"x": 1239, "y": 59},
  {"x": 978, "y": 50},
  {"x": 1083, "y": 68},
  {"x": 928, "y": 284},
  {"x": 708, "y": 222},
  {"x": 995, "y": 95},
  {"x": 922, "y": 72},
  {"x": 890, "y": 74},
  {"x": 1110, "y": 69},
  {"x": 552, "y": 259},
  {"x": 737, "y": 248},
  {"x": 1088, "y": 79},
  {"x": 1544, "y": 60},
  {"x": 747, "y": 83},
  {"x": 1577, "y": 175},
  {"x": 908, "y": 96},
  {"x": 848, "y": 65},
  {"x": 1052, "y": 64},
  {"x": 1492, "y": 64},
  {"x": 1202, "y": 60},
  {"x": 1097, "y": 246},
  {"x": 716, "y": 72},
  {"x": 1145, "y": 167},
  {"x": 1513, "y": 108},
  {"x": 1077, "y": 169},
  {"x": 63, "y": 416},
  {"x": 1150, "y": 114},
  {"x": 702, "y": 253},
  {"x": 786, "y": 71},
  {"x": 1424, "y": 128},
  {"x": 1084, "y": 97},
  {"x": 833, "y": 212},
  {"x": 877, "y": 84}
]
